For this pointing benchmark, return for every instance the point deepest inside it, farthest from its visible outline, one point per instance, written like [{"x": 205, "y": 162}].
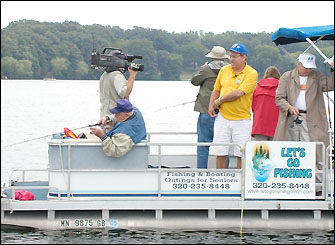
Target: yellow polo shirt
[{"x": 226, "y": 82}]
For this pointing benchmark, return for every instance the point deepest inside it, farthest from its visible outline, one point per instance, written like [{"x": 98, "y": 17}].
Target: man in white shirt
[{"x": 299, "y": 97}]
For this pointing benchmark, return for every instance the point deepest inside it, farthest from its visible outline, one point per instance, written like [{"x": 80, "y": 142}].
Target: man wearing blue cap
[
  {"x": 128, "y": 128},
  {"x": 232, "y": 95}
]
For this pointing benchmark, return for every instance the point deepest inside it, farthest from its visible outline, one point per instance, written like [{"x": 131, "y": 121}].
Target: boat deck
[{"x": 170, "y": 213}]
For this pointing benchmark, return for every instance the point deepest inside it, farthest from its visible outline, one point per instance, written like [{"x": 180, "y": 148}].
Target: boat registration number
[{"x": 94, "y": 223}]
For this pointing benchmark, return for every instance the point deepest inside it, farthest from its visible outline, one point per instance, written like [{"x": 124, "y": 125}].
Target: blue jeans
[{"x": 205, "y": 130}]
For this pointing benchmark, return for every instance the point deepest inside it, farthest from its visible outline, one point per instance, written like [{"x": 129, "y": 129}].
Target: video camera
[{"x": 112, "y": 59}]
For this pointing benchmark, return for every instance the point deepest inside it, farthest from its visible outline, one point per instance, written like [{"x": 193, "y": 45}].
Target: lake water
[{"x": 33, "y": 109}]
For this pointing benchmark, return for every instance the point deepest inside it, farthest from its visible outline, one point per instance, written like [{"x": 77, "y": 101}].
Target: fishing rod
[
  {"x": 175, "y": 105},
  {"x": 97, "y": 124}
]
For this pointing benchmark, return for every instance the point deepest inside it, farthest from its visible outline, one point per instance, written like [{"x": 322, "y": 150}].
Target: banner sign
[
  {"x": 207, "y": 183},
  {"x": 280, "y": 170}
]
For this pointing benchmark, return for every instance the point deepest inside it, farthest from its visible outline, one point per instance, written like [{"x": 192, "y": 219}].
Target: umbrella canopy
[{"x": 294, "y": 35}]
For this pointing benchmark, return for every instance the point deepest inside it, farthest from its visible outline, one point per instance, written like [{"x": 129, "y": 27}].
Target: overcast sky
[{"x": 176, "y": 16}]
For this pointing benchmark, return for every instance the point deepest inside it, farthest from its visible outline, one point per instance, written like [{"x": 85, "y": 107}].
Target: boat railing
[
  {"x": 160, "y": 169},
  {"x": 163, "y": 138},
  {"x": 321, "y": 172},
  {"x": 325, "y": 172},
  {"x": 12, "y": 185},
  {"x": 330, "y": 165},
  {"x": 67, "y": 170},
  {"x": 23, "y": 171},
  {"x": 10, "y": 190}
]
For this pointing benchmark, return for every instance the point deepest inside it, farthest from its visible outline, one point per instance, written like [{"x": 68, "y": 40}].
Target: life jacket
[
  {"x": 24, "y": 195},
  {"x": 133, "y": 127}
]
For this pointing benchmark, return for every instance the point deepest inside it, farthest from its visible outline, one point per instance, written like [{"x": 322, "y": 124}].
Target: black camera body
[{"x": 112, "y": 59}]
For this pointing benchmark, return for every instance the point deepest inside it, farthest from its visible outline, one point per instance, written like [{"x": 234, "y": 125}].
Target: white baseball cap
[{"x": 307, "y": 60}]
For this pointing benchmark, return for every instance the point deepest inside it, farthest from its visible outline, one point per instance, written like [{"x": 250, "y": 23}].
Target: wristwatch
[{"x": 102, "y": 138}]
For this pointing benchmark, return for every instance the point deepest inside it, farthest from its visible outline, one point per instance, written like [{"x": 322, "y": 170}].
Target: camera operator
[{"x": 114, "y": 86}]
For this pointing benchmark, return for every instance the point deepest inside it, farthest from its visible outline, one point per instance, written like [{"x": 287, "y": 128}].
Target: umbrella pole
[{"x": 317, "y": 49}]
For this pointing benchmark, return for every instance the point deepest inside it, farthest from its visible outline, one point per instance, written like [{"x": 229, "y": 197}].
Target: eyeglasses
[{"x": 235, "y": 56}]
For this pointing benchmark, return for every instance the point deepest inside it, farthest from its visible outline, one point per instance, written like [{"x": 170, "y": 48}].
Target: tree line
[{"x": 35, "y": 50}]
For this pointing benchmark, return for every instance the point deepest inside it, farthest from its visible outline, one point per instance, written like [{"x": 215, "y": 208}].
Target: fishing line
[
  {"x": 175, "y": 105},
  {"x": 242, "y": 196},
  {"x": 328, "y": 99},
  {"x": 97, "y": 124}
]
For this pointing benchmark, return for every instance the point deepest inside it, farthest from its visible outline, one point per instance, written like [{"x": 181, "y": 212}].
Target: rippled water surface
[{"x": 168, "y": 237}]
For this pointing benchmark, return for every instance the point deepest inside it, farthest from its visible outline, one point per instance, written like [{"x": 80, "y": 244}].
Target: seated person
[{"x": 127, "y": 129}]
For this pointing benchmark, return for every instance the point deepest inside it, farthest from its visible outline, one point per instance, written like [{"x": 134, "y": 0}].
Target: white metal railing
[
  {"x": 330, "y": 162},
  {"x": 11, "y": 173},
  {"x": 323, "y": 172},
  {"x": 68, "y": 170},
  {"x": 12, "y": 188}
]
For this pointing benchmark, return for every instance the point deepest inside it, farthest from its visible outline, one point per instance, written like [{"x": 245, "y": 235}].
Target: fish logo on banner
[{"x": 261, "y": 162}]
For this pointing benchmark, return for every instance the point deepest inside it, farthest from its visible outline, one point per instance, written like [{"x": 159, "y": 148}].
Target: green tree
[
  {"x": 81, "y": 70},
  {"x": 193, "y": 54},
  {"x": 170, "y": 65},
  {"x": 24, "y": 69},
  {"x": 64, "y": 49},
  {"x": 265, "y": 56},
  {"x": 16, "y": 69},
  {"x": 8, "y": 67},
  {"x": 58, "y": 66}
]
